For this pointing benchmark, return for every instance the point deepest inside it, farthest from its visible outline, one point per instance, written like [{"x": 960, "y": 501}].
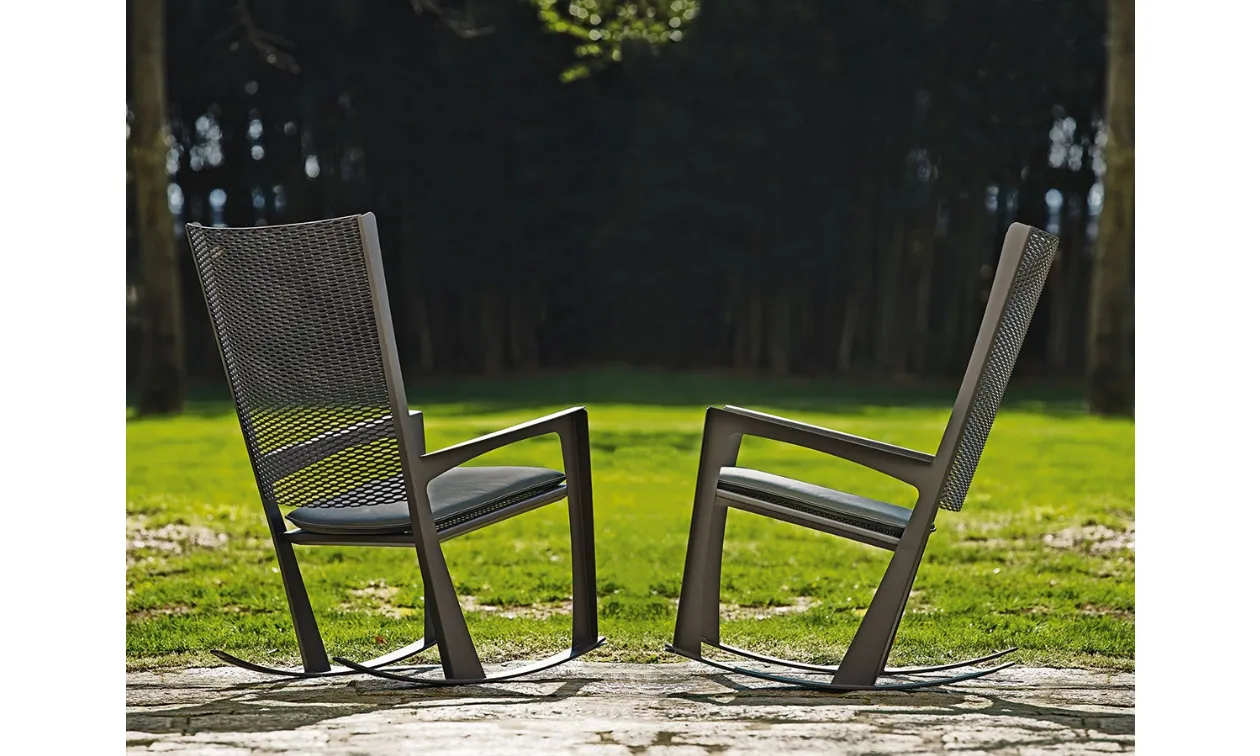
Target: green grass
[{"x": 1031, "y": 561}]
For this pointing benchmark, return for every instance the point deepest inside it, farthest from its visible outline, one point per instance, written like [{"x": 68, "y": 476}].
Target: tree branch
[
  {"x": 463, "y": 27},
  {"x": 270, "y": 46}
]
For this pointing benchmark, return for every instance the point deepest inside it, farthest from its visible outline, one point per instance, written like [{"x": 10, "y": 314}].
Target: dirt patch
[
  {"x": 1095, "y": 539},
  {"x": 798, "y": 605},
  {"x": 170, "y": 540},
  {"x": 992, "y": 543},
  {"x": 540, "y": 611},
  {"x": 158, "y": 611},
  {"x": 916, "y": 604},
  {"x": 973, "y": 530},
  {"x": 1105, "y": 611},
  {"x": 378, "y": 598}
]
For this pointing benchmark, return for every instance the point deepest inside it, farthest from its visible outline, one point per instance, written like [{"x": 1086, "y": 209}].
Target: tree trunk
[
  {"x": 779, "y": 345},
  {"x": 848, "y": 335},
  {"x": 859, "y": 312},
  {"x": 753, "y": 345},
  {"x": 966, "y": 219},
  {"x": 492, "y": 336},
  {"x": 1059, "y": 287},
  {"x": 523, "y": 321},
  {"x": 1082, "y": 280},
  {"x": 1110, "y": 369},
  {"x": 162, "y": 372},
  {"x": 891, "y": 349},
  {"x": 924, "y": 257},
  {"x": 423, "y": 332},
  {"x": 1065, "y": 309},
  {"x": 736, "y": 321}
]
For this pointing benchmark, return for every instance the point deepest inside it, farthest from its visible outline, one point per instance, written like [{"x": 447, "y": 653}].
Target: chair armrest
[
  {"x": 847, "y": 438},
  {"x": 903, "y": 464},
  {"x": 437, "y": 462}
]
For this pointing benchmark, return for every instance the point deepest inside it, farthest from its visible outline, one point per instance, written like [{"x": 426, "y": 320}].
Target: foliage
[{"x": 602, "y": 28}]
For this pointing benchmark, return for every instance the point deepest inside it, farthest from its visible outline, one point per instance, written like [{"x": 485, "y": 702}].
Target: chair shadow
[
  {"x": 271, "y": 706},
  {"x": 945, "y": 701}
]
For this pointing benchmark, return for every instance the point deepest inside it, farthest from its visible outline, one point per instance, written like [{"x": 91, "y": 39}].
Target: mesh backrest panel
[
  {"x": 1030, "y": 277},
  {"x": 292, "y": 309}
]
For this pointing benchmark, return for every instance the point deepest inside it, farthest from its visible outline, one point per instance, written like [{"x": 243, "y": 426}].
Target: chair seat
[
  {"x": 456, "y": 496},
  {"x": 857, "y": 511}
]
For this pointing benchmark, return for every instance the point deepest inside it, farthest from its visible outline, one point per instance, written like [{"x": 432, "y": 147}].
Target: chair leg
[
  {"x": 719, "y": 448},
  {"x": 310, "y": 644},
  {"x": 430, "y": 629},
  {"x": 710, "y": 621},
  {"x": 864, "y": 661},
  {"x": 459, "y": 658},
  {"x": 689, "y": 626},
  {"x": 575, "y": 447},
  {"x": 585, "y": 632},
  {"x": 865, "y": 658},
  {"x": 455, "y": 645}
]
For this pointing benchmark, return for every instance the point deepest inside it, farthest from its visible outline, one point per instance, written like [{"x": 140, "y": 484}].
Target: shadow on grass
[{"x": 473, "y": 396}]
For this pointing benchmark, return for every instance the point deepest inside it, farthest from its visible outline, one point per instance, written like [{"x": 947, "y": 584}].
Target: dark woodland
[{"x": 780, "y": 187}]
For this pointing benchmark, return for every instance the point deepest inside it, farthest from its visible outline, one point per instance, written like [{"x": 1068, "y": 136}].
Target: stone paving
[{"x": 648, "y": 709}]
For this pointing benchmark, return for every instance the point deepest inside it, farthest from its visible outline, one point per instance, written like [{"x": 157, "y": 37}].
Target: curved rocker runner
[
  {"x": 821, "y": 685},
  {"x": 823, "y": 668},
  {"x": 941, "y": 480},
  {"x": 393, "y": 657},
  {"x": 302, "y": 320},
  {"x": 509, "y": 674}
]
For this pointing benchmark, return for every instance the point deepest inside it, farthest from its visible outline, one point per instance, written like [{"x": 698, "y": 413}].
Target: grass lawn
[{"x": 1041, "y": 557}]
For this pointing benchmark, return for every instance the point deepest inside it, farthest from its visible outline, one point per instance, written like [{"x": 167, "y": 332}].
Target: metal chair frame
[
  {"x": 444, "y": 622},
  {"x": 941, "y": 481}
]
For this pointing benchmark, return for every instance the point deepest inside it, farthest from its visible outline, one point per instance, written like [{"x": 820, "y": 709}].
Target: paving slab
[{"x": 647, "y": 709}]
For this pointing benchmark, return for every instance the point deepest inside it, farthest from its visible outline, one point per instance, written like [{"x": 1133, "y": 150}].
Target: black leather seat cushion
[
  {"x": 848, "y": 508},
  {"x": 456, "y": 496}
]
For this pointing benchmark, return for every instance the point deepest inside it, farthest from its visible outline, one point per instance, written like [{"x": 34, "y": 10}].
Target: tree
[
  {"x": 1110, "y": 367},
  {"x": 809, "y": 188},
  {"x": 162, "y": 374}
]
